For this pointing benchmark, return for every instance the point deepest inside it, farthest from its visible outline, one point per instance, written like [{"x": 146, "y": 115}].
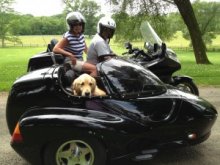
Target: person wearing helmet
[
  {"x": 72, "y": 45},
  {"x": 99, "y": 49}
]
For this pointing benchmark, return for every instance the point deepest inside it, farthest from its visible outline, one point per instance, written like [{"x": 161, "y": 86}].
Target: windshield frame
[{"x": 115, "y": 72}]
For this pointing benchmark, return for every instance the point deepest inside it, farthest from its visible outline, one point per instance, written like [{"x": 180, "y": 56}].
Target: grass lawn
[
  {"x": 13, "y": 64},
  {"x": 202, "y": 74},
  {"x": 14, "y": 60}
]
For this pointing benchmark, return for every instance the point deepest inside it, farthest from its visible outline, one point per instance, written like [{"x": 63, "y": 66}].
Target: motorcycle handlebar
[
  {"x": 137, "y": 52},
  {"x": 147, "y": 56}
]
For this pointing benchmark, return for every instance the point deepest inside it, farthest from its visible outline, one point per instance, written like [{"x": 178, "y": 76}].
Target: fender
[
  {"x": 57, "y": 121},
  {"x": 74, "y": 117},
  {"x": 51, "y": 123},
  {"x": 177, "y": 79}
]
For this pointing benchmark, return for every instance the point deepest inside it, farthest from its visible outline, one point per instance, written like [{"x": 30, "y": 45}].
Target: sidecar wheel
[
  {"x": 188, "y": 86},
  {"x": 77, "y": 151}
]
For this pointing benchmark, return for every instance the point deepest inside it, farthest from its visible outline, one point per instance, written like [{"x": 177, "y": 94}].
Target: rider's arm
[
  {"x": 106, "y": 57},
  {"x": 86, "y": 49},
  {"x": 104, "y": 51},
  {"x": 59, "y": 49}
]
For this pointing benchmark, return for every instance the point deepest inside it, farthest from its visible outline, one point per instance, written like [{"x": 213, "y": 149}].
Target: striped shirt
[{"x": 76, "y": 44}]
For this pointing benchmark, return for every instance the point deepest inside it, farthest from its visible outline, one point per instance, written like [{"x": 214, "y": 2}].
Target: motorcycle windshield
[{"x": 149, "y": 35}]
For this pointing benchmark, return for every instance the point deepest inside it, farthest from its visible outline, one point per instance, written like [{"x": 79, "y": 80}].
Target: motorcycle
[
  {"x": 159, "y": 59},
  {"x": 138, "y": 118}
]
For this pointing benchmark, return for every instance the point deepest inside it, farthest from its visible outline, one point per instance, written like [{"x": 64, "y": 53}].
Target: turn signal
[
  {"x": 16, "y": 137},
  {"x": 192, "y": 136}
]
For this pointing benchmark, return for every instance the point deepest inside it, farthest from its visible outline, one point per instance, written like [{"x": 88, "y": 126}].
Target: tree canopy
[
  {"x": 44, "y": 25},
  {"x": 208, "y": 17},
  {"x": 7, "y": 22},
  {"x": 154, "y": 8},
  {"x": 201, "y": 19}
]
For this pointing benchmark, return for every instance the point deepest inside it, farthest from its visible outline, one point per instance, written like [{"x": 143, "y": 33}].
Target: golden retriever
[{"x": 85, "y": 85}]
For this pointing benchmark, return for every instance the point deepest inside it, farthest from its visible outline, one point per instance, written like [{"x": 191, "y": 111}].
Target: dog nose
[{"x": 87, "y": 93}]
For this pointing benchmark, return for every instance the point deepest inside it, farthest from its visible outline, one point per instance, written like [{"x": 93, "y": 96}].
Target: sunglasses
[{"x": 77, "y": 24}]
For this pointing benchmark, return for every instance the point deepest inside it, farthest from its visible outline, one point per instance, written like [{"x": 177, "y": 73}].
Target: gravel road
[{"x": 207, "y": 153}]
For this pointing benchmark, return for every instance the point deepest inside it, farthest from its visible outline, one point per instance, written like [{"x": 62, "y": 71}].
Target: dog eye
[
  {"x": 82, "y": 83},
  {"x": 90, "y": 84}
]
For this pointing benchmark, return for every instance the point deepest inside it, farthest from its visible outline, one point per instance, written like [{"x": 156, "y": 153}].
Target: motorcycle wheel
[
  {"x": 77, "y": 151},
  {"x": 188, "y": 86}
]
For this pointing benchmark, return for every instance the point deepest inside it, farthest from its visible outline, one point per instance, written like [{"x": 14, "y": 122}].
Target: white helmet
[
  {"x": 75, "y": 17},
  {"x": 106, "y": 23}
]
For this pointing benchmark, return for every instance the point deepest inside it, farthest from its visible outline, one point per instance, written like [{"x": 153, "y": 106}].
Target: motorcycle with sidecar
[{"x": 139, "y": 117}]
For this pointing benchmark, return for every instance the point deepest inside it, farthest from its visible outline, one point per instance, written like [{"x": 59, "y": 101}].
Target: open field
[
  {"x": 13, "y": 60},
  {"x": 13, "y": 64},
  {"x": 202, "y": 74},
  {"x": 42, "y": 40}
]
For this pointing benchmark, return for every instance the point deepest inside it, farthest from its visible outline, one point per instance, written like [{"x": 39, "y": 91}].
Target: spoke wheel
[
  {"x": 75, "y": 152},
  {"x": 78, "y": 150}
]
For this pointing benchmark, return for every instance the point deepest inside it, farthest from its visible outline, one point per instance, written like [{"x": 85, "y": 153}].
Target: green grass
[
  {"x": 177, "y": 41},
  {"x": 13, "y": 64},
  {"x": 202, "y": 74},
  {"x": 14, "y": 60},
  {"x": 34, "y": 40}
]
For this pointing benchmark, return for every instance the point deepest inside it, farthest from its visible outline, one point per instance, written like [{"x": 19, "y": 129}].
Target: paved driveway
[{"x": 207, "y": 153}]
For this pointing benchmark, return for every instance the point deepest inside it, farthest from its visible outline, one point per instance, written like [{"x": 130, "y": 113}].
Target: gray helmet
[
  {"x": 73, "y": 18},
  {"x": 106, "y": 23}
]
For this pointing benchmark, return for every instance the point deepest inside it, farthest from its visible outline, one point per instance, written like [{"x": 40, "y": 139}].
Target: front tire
[
  {"x": 77, "y": 151},
  {"x": 188, "y": 86}
]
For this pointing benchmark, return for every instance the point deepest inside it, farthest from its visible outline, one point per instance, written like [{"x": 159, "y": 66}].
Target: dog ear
[
  {"x": 75, "y": 88},
  {"x": 93, "y": 84}
]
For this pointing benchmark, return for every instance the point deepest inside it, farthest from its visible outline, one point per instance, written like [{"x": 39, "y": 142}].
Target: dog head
[{"x": 84, "y": 85}]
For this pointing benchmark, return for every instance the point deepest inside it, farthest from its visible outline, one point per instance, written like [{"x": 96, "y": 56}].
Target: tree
[
  {"x": 44, "y": 25},
  {"x": 157, "y": 7},
  {"x": 126, "y": 28},
  {"x": 187, "y": 13},
  {"x": 207, "y": 14},
  {"x": 7, "y": 22}
]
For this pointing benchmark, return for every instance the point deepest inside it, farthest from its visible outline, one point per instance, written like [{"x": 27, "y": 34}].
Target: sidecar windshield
[
  {"x": 130, "y": 80},
  {"x": 149, "y": 35}
]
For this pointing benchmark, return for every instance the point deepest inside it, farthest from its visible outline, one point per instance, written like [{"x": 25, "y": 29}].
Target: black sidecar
[{"x": 139, "y": 116}]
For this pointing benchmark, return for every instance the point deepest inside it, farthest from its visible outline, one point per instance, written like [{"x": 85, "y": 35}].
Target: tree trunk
[
  {"x": 3, "y": 42},
  {"x": 187, "y": 13}
]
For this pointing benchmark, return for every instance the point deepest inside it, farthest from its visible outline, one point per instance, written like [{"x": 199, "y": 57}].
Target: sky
[
  {"x": 45, "y": 7},
  {"x": 51, "y": 7}
]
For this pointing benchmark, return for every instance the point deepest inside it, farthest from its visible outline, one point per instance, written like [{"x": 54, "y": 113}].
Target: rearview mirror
[
  {"x": 164, "y": 49},
  {"x": 128, "y": 45},
  {"x": 148, "y": 46}
]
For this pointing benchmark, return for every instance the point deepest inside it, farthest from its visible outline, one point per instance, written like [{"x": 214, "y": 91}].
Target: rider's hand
[
  {"x": 73, "y": 60},
  {"x": 106, "y": 57}
]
